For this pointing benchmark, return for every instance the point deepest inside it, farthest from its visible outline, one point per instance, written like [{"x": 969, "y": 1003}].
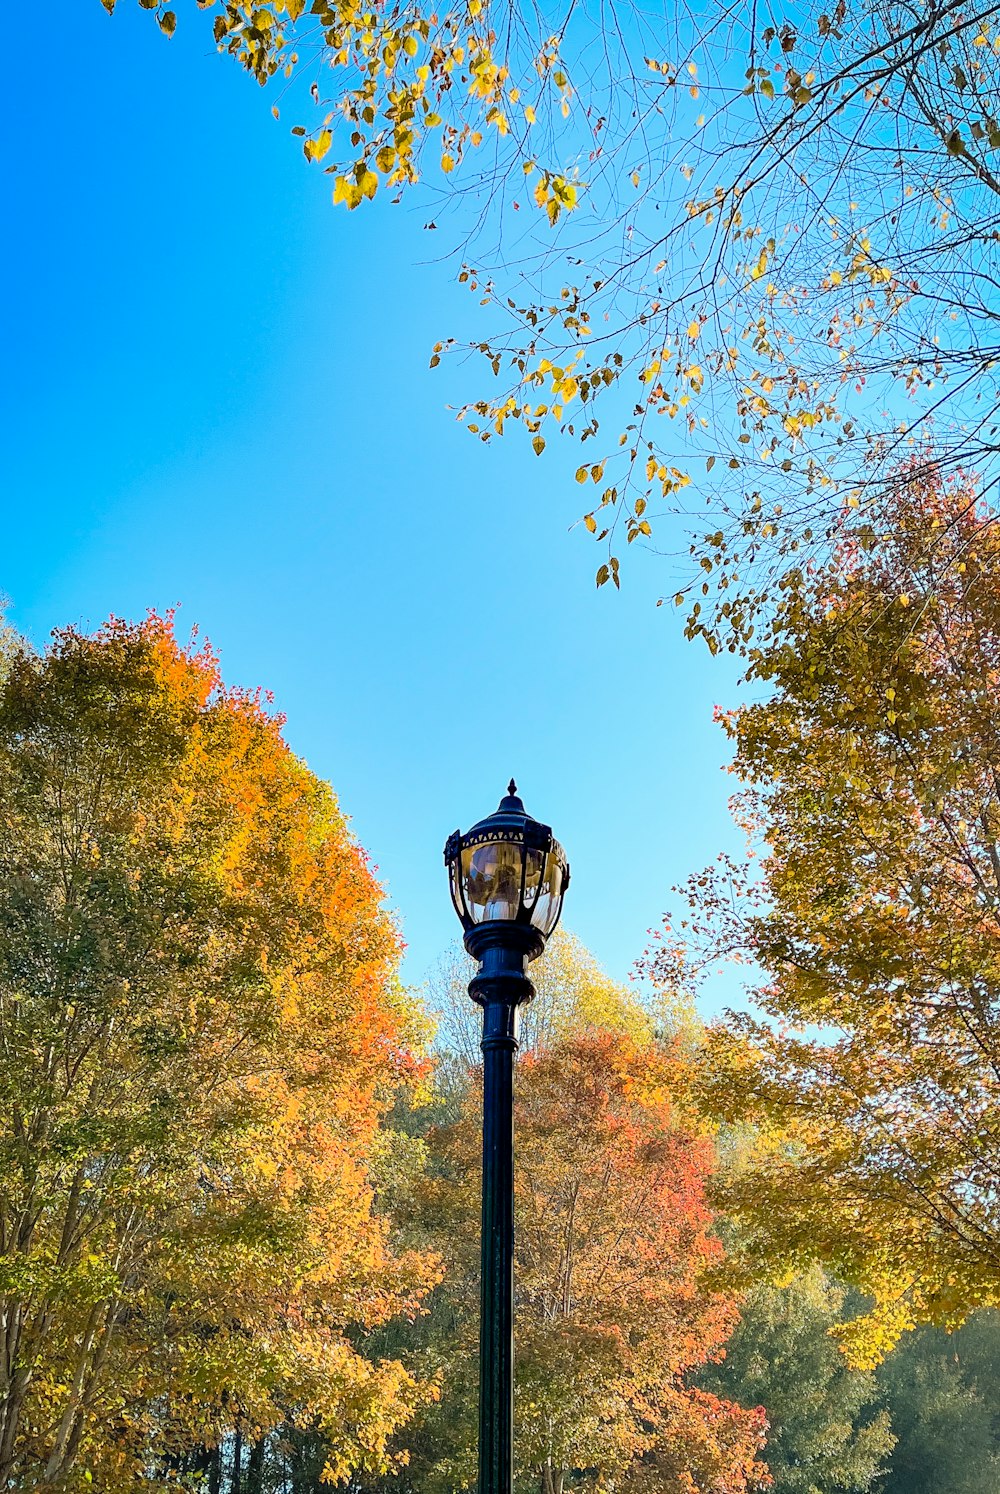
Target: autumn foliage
[
  {"x": 871, "y": 791},
  {"x": 756, "y": 257},
  {"x": 201, "y": 1030},
  {"x": 613, "y": 1236}
]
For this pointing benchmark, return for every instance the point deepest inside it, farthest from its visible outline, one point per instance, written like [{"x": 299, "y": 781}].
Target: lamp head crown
[{"x": 512, "y": 803}]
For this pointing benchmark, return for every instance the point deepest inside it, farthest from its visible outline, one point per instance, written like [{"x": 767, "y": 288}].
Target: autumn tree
[
  {"x": 612, "y": 1237},
  {"x": 572, "y": 994},
  {"x": 870, "y": 793},
  {"x": 201, "y": 1030},
  {"x": 754, "y": 251}
]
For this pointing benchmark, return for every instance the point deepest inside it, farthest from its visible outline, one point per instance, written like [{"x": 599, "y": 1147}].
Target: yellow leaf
[
  {"x": 346, "y": 191},
  {"x": 447, "y": 162},
  {"x": 538, "y": 445},
  {"x": 693, "y": 330},
  {"x": 529, "y": 114},
  {"x": 316, "y": 149}
]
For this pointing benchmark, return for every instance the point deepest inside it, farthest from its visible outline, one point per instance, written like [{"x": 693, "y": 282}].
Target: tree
[
  {"x": 943, "y": 1394},
  {"x": 572, "y": 993},
  {"x": 612, "y": 1238},
  {"x": 871, "y": 794},
  {"x": 827, "y": 1433},
  {"x": 201, "y": 1031},
  {"x": 775, "y": 233}
]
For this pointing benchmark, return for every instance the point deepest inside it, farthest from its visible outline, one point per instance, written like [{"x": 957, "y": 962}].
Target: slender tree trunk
[
  {"x": 10, "y": 1417},
  {"x": 55, "y": 1464},
  {"x": 552, "y": 1478},
  {"x": 255, "y": 1468},
  {"x": 237, "y": 1478}
]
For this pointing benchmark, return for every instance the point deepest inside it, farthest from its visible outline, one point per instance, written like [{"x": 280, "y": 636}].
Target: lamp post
[{"x": 508, "y": 876}]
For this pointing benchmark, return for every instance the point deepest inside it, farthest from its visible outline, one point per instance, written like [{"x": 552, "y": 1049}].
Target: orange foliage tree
[
  {"x": 612, "y": 1237},
  {"x": 201, "y": 1029}
]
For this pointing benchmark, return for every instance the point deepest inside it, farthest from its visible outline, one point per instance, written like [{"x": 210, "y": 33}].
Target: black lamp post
[{"x": 508, "y": 877}]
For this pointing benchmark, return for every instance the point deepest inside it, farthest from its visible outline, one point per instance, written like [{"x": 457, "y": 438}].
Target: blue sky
[{"x": 217, "y": 396}]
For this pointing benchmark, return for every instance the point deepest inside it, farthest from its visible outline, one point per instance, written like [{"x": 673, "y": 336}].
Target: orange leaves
[
  {"x": 613, "y": 1234},
  {"x": 214, "y": 980}
]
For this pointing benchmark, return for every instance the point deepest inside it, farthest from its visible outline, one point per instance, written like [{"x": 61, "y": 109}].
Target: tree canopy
[
  {"x": 201, "y": 1029},
  {"x": 872, "y": 803},
  {"x": 613, "y": 1237}
]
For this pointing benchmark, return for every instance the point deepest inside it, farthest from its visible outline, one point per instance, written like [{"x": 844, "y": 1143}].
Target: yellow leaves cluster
[
  {"x": 555, "y": 193},
  {"x": 361, "y": 189},
  {"x": 406, "y": 73}
]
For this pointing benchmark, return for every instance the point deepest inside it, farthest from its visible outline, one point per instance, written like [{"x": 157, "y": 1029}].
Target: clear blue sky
[{"x": 216, "y": 394}]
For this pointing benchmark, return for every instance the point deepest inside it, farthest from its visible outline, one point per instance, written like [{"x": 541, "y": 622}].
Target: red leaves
[{"x": 613, "y": 1236}]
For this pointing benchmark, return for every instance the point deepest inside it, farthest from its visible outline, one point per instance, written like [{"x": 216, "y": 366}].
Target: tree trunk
[
  {"x": 237, "y": 1478},
  {"x": 255, "y": 1468}
]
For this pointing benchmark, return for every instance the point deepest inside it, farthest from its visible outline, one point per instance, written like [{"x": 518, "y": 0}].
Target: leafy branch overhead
[{"x": 763, "y": 270}]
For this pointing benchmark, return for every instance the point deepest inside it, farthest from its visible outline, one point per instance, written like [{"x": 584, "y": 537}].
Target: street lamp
[{"x": 508, "y": 876}]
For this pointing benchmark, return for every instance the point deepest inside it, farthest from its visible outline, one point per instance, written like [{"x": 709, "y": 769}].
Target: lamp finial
[{"x": 512, "y": 787}]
